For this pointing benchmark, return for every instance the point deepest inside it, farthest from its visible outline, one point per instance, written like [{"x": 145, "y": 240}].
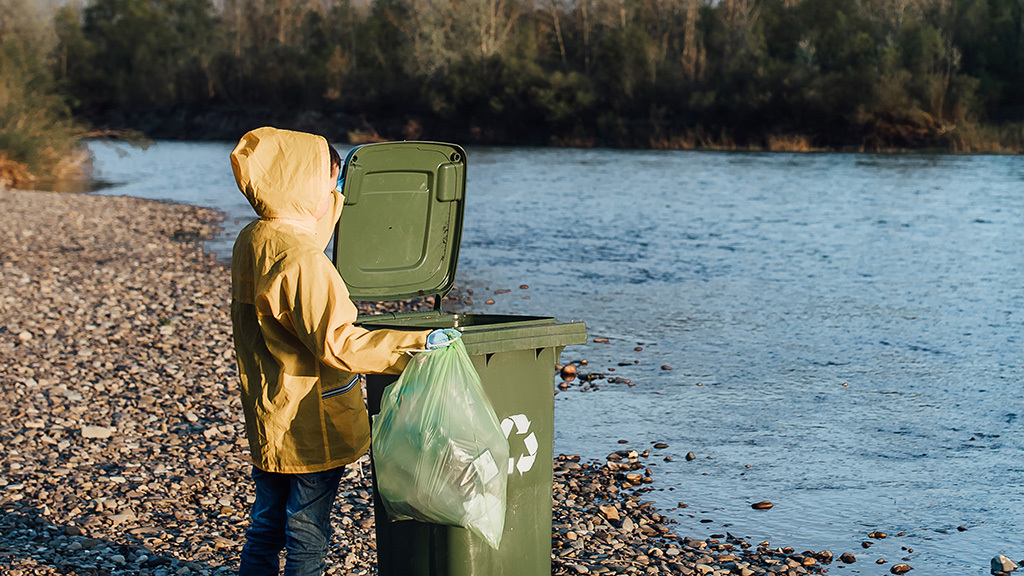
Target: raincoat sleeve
[{"x": 315, "y": 303}]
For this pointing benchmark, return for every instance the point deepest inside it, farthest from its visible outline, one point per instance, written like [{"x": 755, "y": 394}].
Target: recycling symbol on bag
[{"x": 524, "y": 461}]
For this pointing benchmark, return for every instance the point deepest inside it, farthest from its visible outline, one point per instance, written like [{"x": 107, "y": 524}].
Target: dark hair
[{"x": 335, "y": 157}]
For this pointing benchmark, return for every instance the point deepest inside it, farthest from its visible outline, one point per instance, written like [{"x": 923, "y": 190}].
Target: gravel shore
[{"x": 121, "y": 444}]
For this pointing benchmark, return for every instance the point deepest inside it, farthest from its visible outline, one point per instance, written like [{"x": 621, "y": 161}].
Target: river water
[{"x": 844, "y": 331}]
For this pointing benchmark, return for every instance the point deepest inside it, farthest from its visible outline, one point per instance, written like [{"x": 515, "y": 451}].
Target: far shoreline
[
  {"x": 16, "y": 175},
  {"x": 227, "y": 123}
]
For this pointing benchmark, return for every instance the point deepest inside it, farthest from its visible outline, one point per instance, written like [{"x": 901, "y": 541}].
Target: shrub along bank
[{"x": 40, "y": 141}]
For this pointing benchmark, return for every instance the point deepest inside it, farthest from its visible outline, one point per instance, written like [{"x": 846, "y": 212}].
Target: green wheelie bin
[{"x": 398, "y": 238}]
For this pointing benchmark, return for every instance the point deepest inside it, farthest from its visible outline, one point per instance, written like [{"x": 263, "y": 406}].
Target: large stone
[
  {"x": 1001, "y": 565},
  {"x": 121, "y": 518},
  {"x": 96, "y": 432},
  {"x": 628, "y": 525},
  {"x": 609, "y": 512}
]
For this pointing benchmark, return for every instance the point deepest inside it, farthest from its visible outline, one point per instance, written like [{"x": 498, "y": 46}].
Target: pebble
[
  {"x": 123, "y": 442},
  {"x": 763, "y": 505}
]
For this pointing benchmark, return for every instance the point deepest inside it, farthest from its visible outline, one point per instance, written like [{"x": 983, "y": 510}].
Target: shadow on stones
[{"x": 29, "y": 540}]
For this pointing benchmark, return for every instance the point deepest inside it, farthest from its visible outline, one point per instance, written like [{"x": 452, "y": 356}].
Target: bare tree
[
  {"x": 665, "y": 21},
  {"x": 693, "y": 51},
  {"x": 739, "y": 17},
  {"x": 587, "y": 26},
  {"x": 492, "y": 21},
  {"x": 30, "y": 22},
  {"x": 552, "y": 7},
  {"x": 427, "y": 24},
  {"x": 443, "y": 32}
]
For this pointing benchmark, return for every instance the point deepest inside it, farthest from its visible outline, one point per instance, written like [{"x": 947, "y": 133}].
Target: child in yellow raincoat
[{"x": 297, "y": 349}]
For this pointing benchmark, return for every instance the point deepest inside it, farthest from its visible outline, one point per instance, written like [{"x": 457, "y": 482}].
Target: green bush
[{"x": 40, "y": 142}]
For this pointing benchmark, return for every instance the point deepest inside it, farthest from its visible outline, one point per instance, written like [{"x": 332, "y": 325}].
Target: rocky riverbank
[{"x": 122, "y": 445}]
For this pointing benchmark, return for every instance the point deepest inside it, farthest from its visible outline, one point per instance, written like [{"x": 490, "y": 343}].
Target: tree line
[{"x": 775, "y": 74}]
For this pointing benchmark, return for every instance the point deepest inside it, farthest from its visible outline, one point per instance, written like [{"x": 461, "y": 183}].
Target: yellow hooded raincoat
[{"x": 297, "y": 349}]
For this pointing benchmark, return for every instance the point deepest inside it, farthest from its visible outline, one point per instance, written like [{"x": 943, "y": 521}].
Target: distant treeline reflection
[{"x": 775, "y": 74}]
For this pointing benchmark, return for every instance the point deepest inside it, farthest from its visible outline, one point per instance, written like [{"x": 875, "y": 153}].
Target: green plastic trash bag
[{"x": 438, "y": 449}]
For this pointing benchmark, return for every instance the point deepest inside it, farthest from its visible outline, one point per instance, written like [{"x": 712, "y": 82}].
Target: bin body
[
  {"x": 515, "y": 358},
  {"x": 399, "y": 237}
]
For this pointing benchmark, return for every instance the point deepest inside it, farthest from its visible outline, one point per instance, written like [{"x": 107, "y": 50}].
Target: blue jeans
[{"x": 291, "y": 512}]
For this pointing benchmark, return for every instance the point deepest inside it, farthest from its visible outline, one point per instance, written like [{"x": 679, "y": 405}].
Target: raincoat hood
[
  {"x": 286, "y": 176},
  {"x": 330, "y": 216}
]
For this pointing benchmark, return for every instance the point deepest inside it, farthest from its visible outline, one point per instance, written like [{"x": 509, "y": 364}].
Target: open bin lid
[{"x": 400, "y": 229}]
